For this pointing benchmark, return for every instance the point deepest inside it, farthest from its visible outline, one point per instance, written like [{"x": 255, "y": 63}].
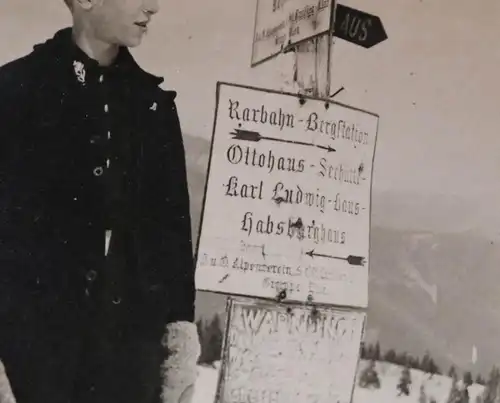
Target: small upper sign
[{"x": 283, "y": 23}]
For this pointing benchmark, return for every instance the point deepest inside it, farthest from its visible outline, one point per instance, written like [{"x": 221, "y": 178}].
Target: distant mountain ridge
[{"x": 433, "y": 273}]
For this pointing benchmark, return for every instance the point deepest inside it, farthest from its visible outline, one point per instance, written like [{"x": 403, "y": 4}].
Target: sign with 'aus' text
[
  {"x": 282, "y": 354},
  {"x": 288, "y": 198}
]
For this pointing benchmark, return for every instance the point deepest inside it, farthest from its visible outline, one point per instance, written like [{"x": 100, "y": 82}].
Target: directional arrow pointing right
[{"x": 249, "y": 135}]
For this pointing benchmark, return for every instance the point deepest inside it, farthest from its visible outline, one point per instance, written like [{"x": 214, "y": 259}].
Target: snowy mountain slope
[{"x": 436, "y": 387}]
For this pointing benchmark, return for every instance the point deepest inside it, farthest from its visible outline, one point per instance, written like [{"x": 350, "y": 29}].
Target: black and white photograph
[{"x": 259, "y": 201}]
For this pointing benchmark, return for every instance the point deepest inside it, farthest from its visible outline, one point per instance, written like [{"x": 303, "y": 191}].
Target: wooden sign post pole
[
  {"x": 290, "y": 175},
  {"x": 304, "y": 273},
  {"x": 313, "y": 63}
]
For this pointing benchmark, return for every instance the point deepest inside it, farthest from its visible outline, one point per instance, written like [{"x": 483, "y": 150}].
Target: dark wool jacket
[{"x": 65, "y": 309}]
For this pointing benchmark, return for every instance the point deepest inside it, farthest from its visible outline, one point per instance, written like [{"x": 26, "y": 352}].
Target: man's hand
[{"x": 180, "y": 369}]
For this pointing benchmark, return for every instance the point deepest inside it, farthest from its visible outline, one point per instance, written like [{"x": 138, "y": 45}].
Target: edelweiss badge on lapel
[
  {"x": 153, "y": 106},
  {"x": 79, "y": 71}
]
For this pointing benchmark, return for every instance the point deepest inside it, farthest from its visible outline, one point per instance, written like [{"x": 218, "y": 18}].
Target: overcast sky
[{"x": 434, "y": 82}]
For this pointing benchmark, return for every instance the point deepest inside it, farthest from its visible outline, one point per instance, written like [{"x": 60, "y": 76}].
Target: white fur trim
[
  {"x": 6, "y": 395},
  {"x": 180, "y": 370}
]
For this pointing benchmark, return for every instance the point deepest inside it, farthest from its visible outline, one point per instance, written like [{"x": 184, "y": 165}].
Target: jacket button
[
  {"x": 98, "y": 171},
  {"x": 91, "y": 275}
]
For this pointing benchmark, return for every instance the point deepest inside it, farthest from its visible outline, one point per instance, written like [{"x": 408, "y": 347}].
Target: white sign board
[
  {"x": 283, "y": 23},
  {"x": 278, "y": 354},
  {"x": 288, "y": 198}
]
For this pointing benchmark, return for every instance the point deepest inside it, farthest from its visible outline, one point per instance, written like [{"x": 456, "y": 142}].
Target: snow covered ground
[{"x": 436, "y": 387}]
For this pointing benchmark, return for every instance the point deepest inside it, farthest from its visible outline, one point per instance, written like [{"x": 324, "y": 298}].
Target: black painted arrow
[
  {"x": 358, "y": 27},
  {"x": 352, "y": 260},
  {"x": 248, "y": 135}
]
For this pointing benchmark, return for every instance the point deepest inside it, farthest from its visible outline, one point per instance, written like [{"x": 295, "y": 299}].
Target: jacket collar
[{"x": 62, "y": 50}]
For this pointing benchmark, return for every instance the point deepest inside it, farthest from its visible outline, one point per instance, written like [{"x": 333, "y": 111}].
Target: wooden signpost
[
  {"x": 312, "y": 67},
  {"x": 285, "y": 226},
  {"x": 286, "y": 222}
]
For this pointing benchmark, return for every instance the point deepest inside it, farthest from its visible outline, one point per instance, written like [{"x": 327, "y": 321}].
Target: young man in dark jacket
[{"x": 96, "y": 268}]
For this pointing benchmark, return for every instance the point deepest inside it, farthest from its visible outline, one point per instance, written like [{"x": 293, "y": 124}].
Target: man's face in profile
[{"x": 120, "y": 22}]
